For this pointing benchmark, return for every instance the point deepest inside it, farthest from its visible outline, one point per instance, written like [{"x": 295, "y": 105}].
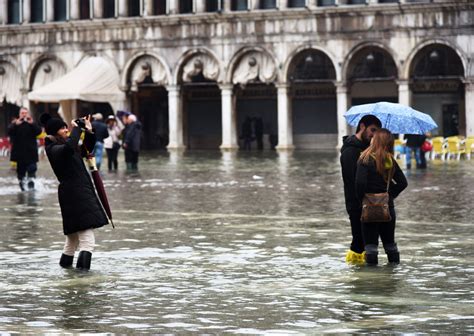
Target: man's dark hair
[{"x": 369, "y": 120}]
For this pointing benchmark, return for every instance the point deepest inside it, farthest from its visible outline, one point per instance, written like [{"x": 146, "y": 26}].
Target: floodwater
[{"x": 239, "y": 243}]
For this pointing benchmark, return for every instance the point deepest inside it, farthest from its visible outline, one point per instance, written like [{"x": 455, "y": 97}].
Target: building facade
[{"x": 194, "y": 70}]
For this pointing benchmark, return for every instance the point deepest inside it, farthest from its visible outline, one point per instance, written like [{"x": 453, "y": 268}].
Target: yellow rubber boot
[{"x": 355, "y": 258}]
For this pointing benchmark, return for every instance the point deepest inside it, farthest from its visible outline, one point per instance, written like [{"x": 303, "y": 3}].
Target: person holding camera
[
  {"x": 80, "y": 208},
  {"x": 23, "y": 132}
]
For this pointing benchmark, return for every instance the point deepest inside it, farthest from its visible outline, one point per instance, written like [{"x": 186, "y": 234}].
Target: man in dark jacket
[
  {"x": 413, "y": 144},
  {"x": 131, "y": 141},
  {"x": 23, "y": 132},
  {"x": 350, "y": 152},
  {"x": 101, "y": 132}
]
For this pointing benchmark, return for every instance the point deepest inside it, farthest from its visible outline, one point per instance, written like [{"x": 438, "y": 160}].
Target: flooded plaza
[{"x": 238, "y": 243}]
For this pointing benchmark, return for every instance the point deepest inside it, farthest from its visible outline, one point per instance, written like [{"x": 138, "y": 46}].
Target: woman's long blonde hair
[{"x": 380, "y": 149}]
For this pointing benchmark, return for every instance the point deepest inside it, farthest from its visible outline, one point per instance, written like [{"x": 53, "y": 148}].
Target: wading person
[
  {"x": 80, "y": 208},
  {"x": 378, "y": 172},
  {"x": 352, "y": 147},
  {"x": 112, "y": 143},
  {"x": 131, "y": 141},
  {"x": 101, "y": 132},
  {"x": 23, "y": 132}
]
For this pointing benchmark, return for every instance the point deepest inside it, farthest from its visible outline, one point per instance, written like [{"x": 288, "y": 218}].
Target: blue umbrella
[{"x": 397, "y": 118}]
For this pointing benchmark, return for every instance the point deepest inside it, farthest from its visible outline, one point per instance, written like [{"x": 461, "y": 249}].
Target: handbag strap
[{"x": 389, "y": 178}]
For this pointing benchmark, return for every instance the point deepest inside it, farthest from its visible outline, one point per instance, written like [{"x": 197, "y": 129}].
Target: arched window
[
  {"x": 37, "y": 10},
  {"x": 267, "y": 4},
  {"x": 14, "y": 11},
  {"x": 311, "y": 65},
  {"x": 296, "y": 3},
  {"x": 84, "y": 9},
  {"x": 109, "y": 10},
  {"x": 159, "y": 7},
  {"x": 185, "y": 6},
  {"x": 373, "y": 64},
  {"x": 60, "y": 10},
  {"x": 238, "y": 5},
  {"x": 134, "y": 7},
  {"x": 437, "y": 61}
]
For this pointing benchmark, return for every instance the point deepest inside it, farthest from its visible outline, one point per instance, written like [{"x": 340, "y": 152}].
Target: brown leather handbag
[{"x": 375, "y": 207}]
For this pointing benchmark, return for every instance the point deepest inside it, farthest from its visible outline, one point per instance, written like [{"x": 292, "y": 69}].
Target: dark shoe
[
  {"x": 66, "y": 261},
  {"x": 31, "y": 184},
  {"x": 371, "y": 255},
  {"x": 22, "y": 186},
  {"x": 393, "y": 255},
  {"x": 84, "y": 260}
]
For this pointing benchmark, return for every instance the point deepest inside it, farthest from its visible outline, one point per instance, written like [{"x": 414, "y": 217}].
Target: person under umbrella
[{"x": 81, "y": 210}]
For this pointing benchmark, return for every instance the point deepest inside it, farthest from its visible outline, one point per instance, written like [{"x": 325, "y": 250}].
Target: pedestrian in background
[
  {"x": 101, "y": 132},
  {"x": 23, "y": 132},
  {"x": 377, "y": 168},
  {"x": 350, "y": 152},
  {"x": 131, "y": 141},
  {"x": 413, "y": 145},
  {"x": 81, "y": 210},
  {"x": 112, "y": 142}
]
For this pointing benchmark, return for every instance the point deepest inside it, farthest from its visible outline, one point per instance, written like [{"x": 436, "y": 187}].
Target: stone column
[
  {"x": 175, "y": 115},
  {"x": 404, "y": 94},
  {"x": 282, "y": 4},
  {"x": 226, "y": 6},
  {"x": 199, "y": 6},
  {"x": 285, "y": 121},
  {"x": 229, "y": 118},
  {"x": 98, "y": 8},
  {"x": 123, "y": 8},
  {"x": 49, "y": 10},
  {"x": 469, "y": 101},
  {"x": 26, "y": 11},
  {"x": 74, "y": 9},
  {"x": 3, "y": 12},
  {"x": 148, "y": 10},
  {"x": 342, "y": 105},
  {"x": 253, "y": 4},
  {"x": 173, "y": 6}
]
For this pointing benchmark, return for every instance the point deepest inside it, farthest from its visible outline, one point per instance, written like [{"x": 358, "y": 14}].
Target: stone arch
[
  {"x": 57, "y": 68},
  {"x": 145, "y": 63},
  {"x": 260, "y": 55},
  {"x": 105, "y": 57},
  {"x": 348, "y": 61},
  {"x": 204, "y": 60},
  {"x": 300, "y": 49},
  {"x": 409, "y": 63},
  {"x": 11, "y": 82}
]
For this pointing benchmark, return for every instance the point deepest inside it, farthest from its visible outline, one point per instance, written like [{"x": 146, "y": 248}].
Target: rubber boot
[
  {"x": 22, "y": 184},
  {"x": 84, "y": 260},
  {"x": 355, "y": 258},
  {"x": 371, "y": 255},
  {"x": 66, "y": 261},
  {"x": 393, "y": 255},
  {"x": 129, "y": 166},
  {"x": 31, "y": 183}
]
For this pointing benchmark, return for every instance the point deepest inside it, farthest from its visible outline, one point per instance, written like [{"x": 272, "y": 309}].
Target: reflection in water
[{"x": 245, "y": 243}]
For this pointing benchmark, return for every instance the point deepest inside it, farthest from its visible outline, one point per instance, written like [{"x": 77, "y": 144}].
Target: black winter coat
[
  {"x": 350, "y": 152},
  {"x": 100, "y": 130},
  {"x": 80, "y": 207},
  {"x": 132, "y": 136},
  {"x": 368, "y": 180},
  {"x": 24, "y": 144}
]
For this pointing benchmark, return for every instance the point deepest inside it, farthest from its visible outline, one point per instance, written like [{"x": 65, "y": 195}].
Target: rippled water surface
[{"x": 247, "y": 243}]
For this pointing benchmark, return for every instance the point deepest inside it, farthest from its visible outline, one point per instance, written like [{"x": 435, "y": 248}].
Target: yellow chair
[
  {"x": 439, "y": 148},
  {"x": 469, "y": 146},
  {"x": 454, "y": 148}
]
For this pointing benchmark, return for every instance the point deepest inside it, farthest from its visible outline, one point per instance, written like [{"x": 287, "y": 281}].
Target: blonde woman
[{"x": 375, "y": 166}]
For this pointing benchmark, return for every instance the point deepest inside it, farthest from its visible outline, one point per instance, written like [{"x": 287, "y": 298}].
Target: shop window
[
  {"x": 267, "y": 4},
  {"x": 323, "y": 3},
  {"x": 14, "y": 11},
  {"x": 239, "y": 5},
  {"x": 109, "y": 8},
  {"x": 37, "y": 10},
  {"x": 84, "y": 9},
  {"x": 159, "y": 7},
  {"x": 185, "y": 6},
  {"x": 296, "y": 3},
  {"x": 213, "y": 5},
  {"x": 134, "y": 8},
  {"x": 60, "y": 10}
]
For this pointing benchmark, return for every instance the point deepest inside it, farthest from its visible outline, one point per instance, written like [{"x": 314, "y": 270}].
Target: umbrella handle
[{"x": 112, "y": 222}]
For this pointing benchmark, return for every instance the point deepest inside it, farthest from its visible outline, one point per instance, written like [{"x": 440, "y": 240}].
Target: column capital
[
  {"x": 468, "y": 83},
  {"x": 402, "y": 82},
  {"x": 226, "y": 86},
  {"x": 341, "y": 87},
  {"x": 173, "y": 88},
  {"x": 281, "y": 86}
]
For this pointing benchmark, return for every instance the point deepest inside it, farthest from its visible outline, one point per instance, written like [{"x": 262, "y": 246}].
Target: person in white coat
[{"x": 112, "y": 143}]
